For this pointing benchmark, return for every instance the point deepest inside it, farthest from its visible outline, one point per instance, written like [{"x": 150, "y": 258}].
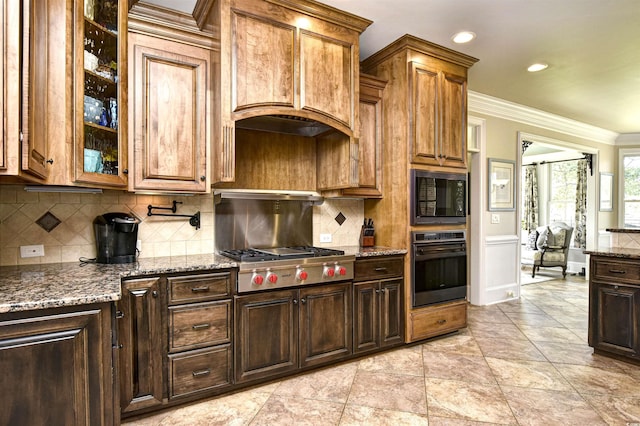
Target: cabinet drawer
[
  {"x": 198, "y": 325},
  {"x": 195, "y": 288},
  {"x": 199, "y": 370},
  {"x": 615, "y": 270},
  {"x": 378, "y": 267},
  {"x": 434, "y": 321}
]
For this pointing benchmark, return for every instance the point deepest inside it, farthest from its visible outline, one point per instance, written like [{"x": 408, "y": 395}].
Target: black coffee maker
[{"x": 116, "y": 238}]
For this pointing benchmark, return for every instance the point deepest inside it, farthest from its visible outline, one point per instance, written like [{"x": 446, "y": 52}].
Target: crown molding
[
  {"x": 485, "y": 104},
  {"x": 626, "y": 139}
]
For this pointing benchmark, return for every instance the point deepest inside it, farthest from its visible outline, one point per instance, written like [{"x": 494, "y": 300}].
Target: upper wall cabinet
[
  {"x": 101, "y": 87},
  {"x": 287, "y": 64},
  {"x": 438, "y": 110},
  {"x": 170, "y": 91}
]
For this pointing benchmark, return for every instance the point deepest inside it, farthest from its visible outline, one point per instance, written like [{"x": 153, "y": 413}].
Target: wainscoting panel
[{"x": 501, "y": 269}]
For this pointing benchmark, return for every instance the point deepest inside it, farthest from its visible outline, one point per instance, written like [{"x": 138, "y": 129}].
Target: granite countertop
[
  {"x": 620, "y": 252},
  {"x": 52, "y": 285}
]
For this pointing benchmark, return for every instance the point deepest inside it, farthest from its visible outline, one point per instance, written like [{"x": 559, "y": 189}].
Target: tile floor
[{"x": 518, "y": 363}]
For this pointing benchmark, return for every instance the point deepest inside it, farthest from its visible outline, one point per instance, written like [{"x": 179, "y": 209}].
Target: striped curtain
[
  {"x": 530, "y": 214},
  {"x": 580, "y": 232}
]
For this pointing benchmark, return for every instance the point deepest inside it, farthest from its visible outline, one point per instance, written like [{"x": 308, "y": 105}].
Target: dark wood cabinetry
[
  {"x": 62, "y": 357},
  {"x": 378, "y": 319},
  {"x": 614, "y": 307},
  {"x": 282, "y": 331},
  {"x": 174, "y": 334},
  {"x": 141, "y": 341}
]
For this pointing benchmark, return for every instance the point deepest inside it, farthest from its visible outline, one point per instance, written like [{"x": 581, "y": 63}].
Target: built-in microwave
[{"x": 438, "y": 197}]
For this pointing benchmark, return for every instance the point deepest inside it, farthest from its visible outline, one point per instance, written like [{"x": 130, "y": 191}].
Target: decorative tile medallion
[{"x": 48, "y": 221}]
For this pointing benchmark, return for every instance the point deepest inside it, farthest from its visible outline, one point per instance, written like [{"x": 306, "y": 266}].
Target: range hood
[
  {"x": 263, "y": 194},
  {"x": 287, "y": 124}
]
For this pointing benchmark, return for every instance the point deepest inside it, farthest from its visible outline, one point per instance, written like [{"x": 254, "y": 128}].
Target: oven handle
[{"x": 422, "y": 253}]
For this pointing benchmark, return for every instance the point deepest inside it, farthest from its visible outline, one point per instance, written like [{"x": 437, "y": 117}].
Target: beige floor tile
[
  {"x": 472, "y": 368},
  {"x": 356, "y": 415},
  {"x": 528, "y": 374},
  {"x": 468, "y": 401},
  {"x": 520, "y": 305},
  {"x": 616, "y": 410},
  {"x": 400, "y": 361},
  {"x": 284, "y": 410},
  {"x": 574, "y": 353},
  {"x": 510, "y": 349},
  {"x": 389, "y": 391},
  {"x": 549, "y": 334},
  {"x": 331, "y": 384},
  {"x": 490, "y": 314},
  {"x": 544, "y": 407},
  {"x": 537, "y": 320},
  {"x": 448, "y": 421},
  {"x": 462, "y": 344},
  {"x": 591, "y": 380},
  {"x": 496, "y": 331}
]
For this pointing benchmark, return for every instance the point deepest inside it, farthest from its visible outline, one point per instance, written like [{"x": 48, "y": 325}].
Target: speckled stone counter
[
  {"x": 372, "y": 251},
  {"x": 620, "y": 252},
  {"x": 65, "y": 284}
]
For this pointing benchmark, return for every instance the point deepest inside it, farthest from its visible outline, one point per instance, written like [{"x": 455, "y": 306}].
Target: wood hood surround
[{"x": 287, "y": 105}]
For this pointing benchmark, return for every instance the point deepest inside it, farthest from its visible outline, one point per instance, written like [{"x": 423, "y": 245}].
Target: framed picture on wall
[
  {"x": 502, "y": 188},
  {"x": 606, "y": 192}
]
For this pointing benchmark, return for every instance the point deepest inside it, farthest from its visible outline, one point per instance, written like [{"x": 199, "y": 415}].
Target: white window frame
[{"x": 625, "y": 152}]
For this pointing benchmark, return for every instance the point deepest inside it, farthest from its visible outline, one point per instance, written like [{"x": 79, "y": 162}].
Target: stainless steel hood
[
  {"x": 287, "y": 124},
  {"x": 261, "y": 194}
]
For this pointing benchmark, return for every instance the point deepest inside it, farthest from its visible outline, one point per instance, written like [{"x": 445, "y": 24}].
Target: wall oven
[
  {"x": 439, "y": 267},
  {"x": 438, "y": 198}
]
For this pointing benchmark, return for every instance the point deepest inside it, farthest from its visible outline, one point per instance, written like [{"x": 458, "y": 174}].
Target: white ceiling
[{"x": 592, "y": 48}]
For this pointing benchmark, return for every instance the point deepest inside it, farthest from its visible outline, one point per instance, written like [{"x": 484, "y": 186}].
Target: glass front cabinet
[{"x": 100, "y": 154}]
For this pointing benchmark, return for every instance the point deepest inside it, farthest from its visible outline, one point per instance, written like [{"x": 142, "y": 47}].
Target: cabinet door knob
[
  {"x": 119, "y": 314},
  {"x": 50, "y": 161},
  {"x": 295, "y": 301},
  {"x": 203, "y": 178},
  {"x": 154, "y": 293},
  {"x": 303, "y": 300},
  {"x": 125, "y": 171}
]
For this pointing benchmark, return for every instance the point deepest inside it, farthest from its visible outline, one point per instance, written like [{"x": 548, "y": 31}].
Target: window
[
  {"x": 631, "y": 190},
  {"x": 562, "y": 192}
]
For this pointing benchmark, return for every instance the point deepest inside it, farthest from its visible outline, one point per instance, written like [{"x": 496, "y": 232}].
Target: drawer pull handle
[
  {"x": 200, "y": 289},
  {"x": 201, "y": 326},
  {"x": 201, "y": 373},
  {"x": 442, "y": 321},
  {"x": 381, "y": 269},
  {"x": 617, "y": 271}
]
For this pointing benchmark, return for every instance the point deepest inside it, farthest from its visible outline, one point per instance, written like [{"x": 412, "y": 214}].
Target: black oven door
[{"x": 439, "y": 272}]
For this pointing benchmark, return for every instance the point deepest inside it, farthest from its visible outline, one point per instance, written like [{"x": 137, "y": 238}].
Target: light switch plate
[
  {"x": 32, "y": 251},
  {"x": 495, "y": 218},
  {"x": 325, "y": 238}
]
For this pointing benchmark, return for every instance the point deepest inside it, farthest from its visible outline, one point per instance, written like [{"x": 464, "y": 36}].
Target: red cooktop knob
[
  {"x": 302, "y": 275},
  {"x": 257, "y": 279},
  {"x": 329, "y": 271},
  {"x": 341, "y": 270},
  {"x": 273, "y": 278}
]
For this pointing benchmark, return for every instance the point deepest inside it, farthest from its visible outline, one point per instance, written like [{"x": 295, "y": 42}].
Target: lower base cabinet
[
  {"x": 436, "y": 320},
  {"x": 61, "y": 356},
  {"x": 282, "y": 331},
  {"x": 614, "y": 307}
]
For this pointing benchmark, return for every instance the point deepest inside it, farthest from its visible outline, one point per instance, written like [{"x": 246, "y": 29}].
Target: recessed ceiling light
[
  {"x": 537, "y": 67},
  {"x": 463, "y": 37}
]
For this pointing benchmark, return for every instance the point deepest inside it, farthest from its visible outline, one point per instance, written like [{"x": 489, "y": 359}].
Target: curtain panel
[
  {"x": 580, "y": 233},
  {"x": 530, "y": 214}
]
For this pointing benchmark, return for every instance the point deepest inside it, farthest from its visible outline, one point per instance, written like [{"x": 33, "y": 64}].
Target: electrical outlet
[
  {"x": 325, "y": 238},
  {"x": 32, "y": 251},
  {"x": 495, "y": 218},
  {"x": 510, "y": 293}
]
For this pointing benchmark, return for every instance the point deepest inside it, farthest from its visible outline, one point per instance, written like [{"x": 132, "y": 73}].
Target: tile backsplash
[{"x": 73, "y": 238}]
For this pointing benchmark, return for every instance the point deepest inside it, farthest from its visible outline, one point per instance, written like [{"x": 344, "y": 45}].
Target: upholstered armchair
[{"x": 549, "y": 247}]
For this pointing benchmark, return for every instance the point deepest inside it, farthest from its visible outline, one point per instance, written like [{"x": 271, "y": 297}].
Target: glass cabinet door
[{"x": 100, "y": 79}]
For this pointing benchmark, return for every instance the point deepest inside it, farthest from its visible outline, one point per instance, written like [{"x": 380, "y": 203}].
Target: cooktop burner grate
[{"x": 279, "y": 253}]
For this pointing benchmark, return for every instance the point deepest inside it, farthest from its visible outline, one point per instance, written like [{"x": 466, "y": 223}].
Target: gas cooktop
[{"x": 278, "y": 253}]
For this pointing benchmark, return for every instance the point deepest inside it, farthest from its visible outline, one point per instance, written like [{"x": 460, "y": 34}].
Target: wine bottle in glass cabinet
[{"x": 100, "y": 92}]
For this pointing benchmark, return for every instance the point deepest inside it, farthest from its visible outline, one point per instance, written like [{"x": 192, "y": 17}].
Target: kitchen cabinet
[
  {"x": 277, "y": 58},
  {"x": 370, "y": 143},
  {"x": 436, "y": 320},
  {"x": 174, "y": 334},
  {"x": 100, "y": 105},
  {"x": 199, "y": 316},
  {"x": 614, "y": 307},
  {"x": 170, "y": 115},
  {"x": 438, "y": 110},
  {"x": 29, "y": 32},
  {"x": 283, "y": 331},
  {"x": 378, "y": 320},
  {"x": 62, "y": 356},
  {"x": 141, "y": 341}
]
